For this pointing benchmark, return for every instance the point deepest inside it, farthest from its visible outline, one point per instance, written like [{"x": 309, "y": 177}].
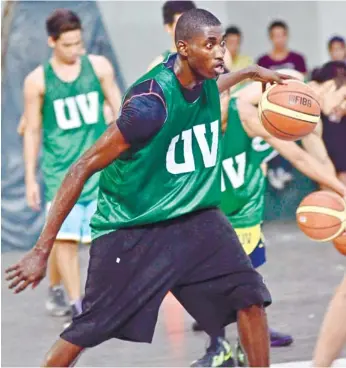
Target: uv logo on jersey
[
  {"x": 183, "y": 143},
  {"x": 72, "y": 112},
  {"x": 235, "y": 167}
]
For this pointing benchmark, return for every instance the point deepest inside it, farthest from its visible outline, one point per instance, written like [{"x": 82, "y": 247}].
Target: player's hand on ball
[
  {"x": 31, "y": 269},
  {"x": 268, "y": 76}
]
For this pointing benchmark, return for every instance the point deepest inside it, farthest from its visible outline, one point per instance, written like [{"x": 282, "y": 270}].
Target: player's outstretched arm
[
  {"x": 253, "y": 72},
  {"x": 105, "y": 73},
  {"x": 31, "y": 269},
  {"x": 299, "y": 158},
  {"x": 32, "y": 120},
  {"x": 314, "y": 145},
  {"x": 332, "y": 335},
  {"x": 21, "y": 126}
]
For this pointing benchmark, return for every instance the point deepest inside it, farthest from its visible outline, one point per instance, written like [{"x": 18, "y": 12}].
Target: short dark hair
[
  {"x": 277, "y": 24},
  {"x": 233, "y": 30},
  {"x": 173, "y": 7},
  {"x": 192, "y": 21},
  {"x": 335, "y": 39},
  {"x": 60, "y": 21}
]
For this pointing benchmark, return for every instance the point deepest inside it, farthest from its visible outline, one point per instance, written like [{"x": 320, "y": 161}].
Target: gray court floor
[{"x": 301, "y": 275}]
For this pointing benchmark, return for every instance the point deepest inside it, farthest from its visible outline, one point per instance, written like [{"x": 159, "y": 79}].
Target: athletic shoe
[
  {"x": 56, "y": 302},
  {"x": 220, "y": 355}
]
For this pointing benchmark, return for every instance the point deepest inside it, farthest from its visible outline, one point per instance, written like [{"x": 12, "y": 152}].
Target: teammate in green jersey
[
  {"x": 246, "y": 144},
  {"x": 157, "y": 226},
  {"x": 64, "y": 101}
]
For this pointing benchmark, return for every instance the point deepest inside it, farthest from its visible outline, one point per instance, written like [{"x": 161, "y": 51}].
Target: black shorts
[{"x": 197, "y": 256}]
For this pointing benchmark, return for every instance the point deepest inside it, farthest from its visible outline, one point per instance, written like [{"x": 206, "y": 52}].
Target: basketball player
[
  {"x": 332, "y": 336},
  {"x": 157, "y": 227},
  {"x": 246, "y": 144},
  {"x": 64, "y": 100}
]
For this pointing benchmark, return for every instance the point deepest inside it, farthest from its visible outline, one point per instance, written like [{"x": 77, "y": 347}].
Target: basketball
[
  {"x": 290, "y": 111},
  {"x": 340, "y": 243},
  {"x": 322, "y": 216}
]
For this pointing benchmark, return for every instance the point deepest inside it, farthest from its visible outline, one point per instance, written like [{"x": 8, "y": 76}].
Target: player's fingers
[
  {"x": 16, "y": 281},
  {"x": 35, "y": 283},
  {"x": 12, "y": 275},
  {"x": 22, "y": 286},
  {"x": 286, "y": 76},
  {"x": 264, "y": 86},
  {"x": 12, "y": 268}
]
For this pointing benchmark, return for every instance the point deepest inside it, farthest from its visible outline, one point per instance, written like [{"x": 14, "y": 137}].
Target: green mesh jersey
[
  {"x": 243, "y": 182},
  {"x": 165, "y": 54},
  {"x": 72, "y": 120},
  {"x": 175, "y": 173}
]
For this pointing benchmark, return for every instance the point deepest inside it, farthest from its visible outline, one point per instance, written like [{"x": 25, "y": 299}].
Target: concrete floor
[{"x": 301, "y": 275}]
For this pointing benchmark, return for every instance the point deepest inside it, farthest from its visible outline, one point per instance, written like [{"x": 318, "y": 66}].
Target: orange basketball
[
  {"x": 340, "y": 243},
  {"x": 322, "y": 215},
  {"x": 290, "y": 111}
]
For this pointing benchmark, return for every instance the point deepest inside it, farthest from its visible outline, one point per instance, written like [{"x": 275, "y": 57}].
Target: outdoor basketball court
[{"x": 301, "y": 275}]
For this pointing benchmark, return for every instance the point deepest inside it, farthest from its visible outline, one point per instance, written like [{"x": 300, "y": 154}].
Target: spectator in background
[
  {"x": 233, "y": 39},
  {"x": 236, "y": 61},
  {"x": 337, "y": 49},
  {"x": 280, "y": 56},
  {"x": 171, "y": 12}
]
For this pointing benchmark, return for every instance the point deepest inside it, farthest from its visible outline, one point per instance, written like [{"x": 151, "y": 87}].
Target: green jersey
[
  {"x": 243, "y": 182},
  {"x": 176, "y": 172},
  {"x": 72, "y": 119},
  {"x": 165, "y": 54}
]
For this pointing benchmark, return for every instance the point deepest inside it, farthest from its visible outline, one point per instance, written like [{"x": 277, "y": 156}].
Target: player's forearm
[
  {"x": 228, "y": 80},
  {"x": 312, "y": 169},
  {"x": 64, "y": 201},
  {"x": 32, "y": 141},
  {"x": 332, "y": 336}
]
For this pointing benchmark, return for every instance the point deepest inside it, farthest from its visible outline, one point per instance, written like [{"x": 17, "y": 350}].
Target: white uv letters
[
  {"x": 209, "y": 154},
  {"x": 84, "y": 105},
  {"x": 236, "y": 177}
]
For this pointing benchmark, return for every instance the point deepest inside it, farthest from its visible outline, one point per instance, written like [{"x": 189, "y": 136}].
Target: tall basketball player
[
  {"x": 157, "y": 227},
  {"x": 64, "y": 100}
]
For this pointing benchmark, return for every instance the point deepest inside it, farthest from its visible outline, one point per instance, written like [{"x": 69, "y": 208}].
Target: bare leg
[
  {"x": 68, "y": 263},
  {"x": 254, "y": 335},
  {"x": 332, "y": 335},
  {"x": 62, "y": 354},
  {"x": 53, "y": 270}
]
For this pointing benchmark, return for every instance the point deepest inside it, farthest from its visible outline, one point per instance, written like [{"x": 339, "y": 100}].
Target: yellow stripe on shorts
[{"x": 250, "y": 237}]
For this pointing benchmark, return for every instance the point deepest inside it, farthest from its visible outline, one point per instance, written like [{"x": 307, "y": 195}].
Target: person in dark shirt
[
  {"x": 331, "y": 81},
  {"x": 281, "y": 57}
]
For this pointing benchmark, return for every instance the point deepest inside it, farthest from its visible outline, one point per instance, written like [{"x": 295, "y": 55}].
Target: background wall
[{"x": 311, "y": 24}]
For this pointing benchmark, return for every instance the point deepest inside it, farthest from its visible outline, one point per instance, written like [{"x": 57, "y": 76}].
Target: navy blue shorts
[{"x": 197, "y": 256}]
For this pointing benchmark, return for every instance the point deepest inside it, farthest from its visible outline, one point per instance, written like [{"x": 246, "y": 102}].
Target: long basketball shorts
[{"x": 197, "y": 257}]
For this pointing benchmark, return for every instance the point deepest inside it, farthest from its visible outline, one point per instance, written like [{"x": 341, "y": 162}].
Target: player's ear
[
  {"x": 51, "y": 42},
  {"x": 182, "y": 48}
]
